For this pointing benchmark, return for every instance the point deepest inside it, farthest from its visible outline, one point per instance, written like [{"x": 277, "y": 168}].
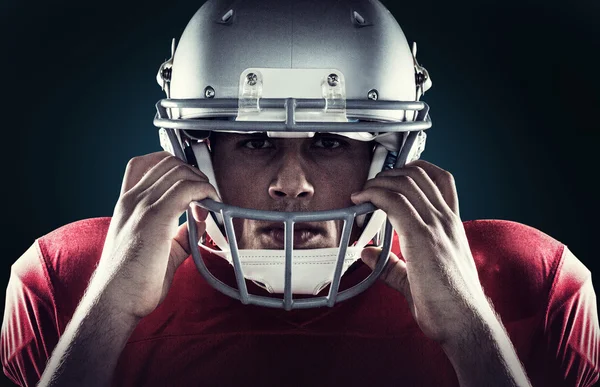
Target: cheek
[
  {"x": 336, "y": 182},
  {"x": 238, "y": 182}
]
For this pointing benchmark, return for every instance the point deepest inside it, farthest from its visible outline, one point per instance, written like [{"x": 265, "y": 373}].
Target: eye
[
  {"x": 328, "y": 143},
  {"x": 257, "y": 143}
]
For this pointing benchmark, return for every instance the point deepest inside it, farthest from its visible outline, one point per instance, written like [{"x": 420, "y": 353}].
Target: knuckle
[
  {"x": 451, "y": 227},
  {"x": 381, "y": 173},
  {"x": 186, "y": 185},
  {"x": 180, "y": 185},
  {"x": 419, "y": 171},
  {"x": 447, "y": 176},
  {"x": 170, "y": 159},
  {"x": 409, "y": 180},
  {"x": 134, "y": 162},
  {"x": 451, "y": 180},
  {"x": 400, "y": 197},
  {"x": 207, "y": 188},
  {"x": 184, "y": 169},
  {"x": 206, "y": 185},
  {"x": 180, "y": 169},
  {"x": 127, "y": 202}
]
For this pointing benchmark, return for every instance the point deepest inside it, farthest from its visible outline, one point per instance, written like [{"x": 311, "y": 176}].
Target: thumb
[
  {"x": 180, "y": 251},
  {"x": 393, "y": 274},
  {"x": 180, "y": 245}
]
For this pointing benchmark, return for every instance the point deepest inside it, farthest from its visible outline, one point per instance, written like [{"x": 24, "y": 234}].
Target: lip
[{"x": 304, "y": 236}]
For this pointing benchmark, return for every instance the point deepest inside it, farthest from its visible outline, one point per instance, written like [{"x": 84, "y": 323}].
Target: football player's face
[{"x": 307, "y": 174}]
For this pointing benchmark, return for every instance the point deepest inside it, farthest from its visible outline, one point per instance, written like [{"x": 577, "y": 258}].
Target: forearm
[
  {"x": 483, "y": 354},
  {"x": 87, "y": 352}
]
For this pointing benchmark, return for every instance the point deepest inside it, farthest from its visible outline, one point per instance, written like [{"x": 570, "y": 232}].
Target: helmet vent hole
[
  {"x": 358, "y": 19},
  {"x": 226, "y": 18}
]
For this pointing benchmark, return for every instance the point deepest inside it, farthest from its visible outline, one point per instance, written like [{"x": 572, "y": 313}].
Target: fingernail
[{"x": 355, "y": 197}]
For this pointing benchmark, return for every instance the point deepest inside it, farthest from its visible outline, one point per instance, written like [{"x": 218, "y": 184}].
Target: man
[{"x": 479, "y": 303}]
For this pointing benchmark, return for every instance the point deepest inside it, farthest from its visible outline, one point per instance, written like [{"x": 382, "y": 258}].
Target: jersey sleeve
[
  {"x": 30, "y": 328},
  {"x": 572, "y": 335}
]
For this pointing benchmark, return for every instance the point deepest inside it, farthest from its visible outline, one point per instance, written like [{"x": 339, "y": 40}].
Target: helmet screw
[
  {"x": 166, "y": 74},
  {"x": 333, "y": 79},
  {"x": 209, "y": 92},
  {"x": 420, "y": 78},
  {"x": 373, "y": 95},
  {"x": 251, "y": 78}
]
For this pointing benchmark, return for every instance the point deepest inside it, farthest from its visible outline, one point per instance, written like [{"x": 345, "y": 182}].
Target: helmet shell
[{"x": 360, "y": 38}]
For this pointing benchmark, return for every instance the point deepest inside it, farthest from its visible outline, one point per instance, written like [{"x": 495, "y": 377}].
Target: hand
[
  {"x": 144, "y": 245},
  {"x": 437, "y": 274}
]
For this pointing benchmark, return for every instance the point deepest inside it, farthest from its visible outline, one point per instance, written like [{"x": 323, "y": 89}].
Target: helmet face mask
[{"x": 305, "y": 88}]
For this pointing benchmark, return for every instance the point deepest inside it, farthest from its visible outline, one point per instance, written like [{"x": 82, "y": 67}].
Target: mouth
[{"x": 305, "y": 236}]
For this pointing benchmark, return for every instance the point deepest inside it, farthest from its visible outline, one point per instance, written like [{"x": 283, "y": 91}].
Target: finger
[
  {"x": 137, "y": 168},
  {"x": 423, "y": 181},
  {"x": 394, "y": 274},
  {"x": 179, "y": 196},
  {"x": 408, "y": 187},
  {"x": 199, "y": 213},
  {"x": 403, "y": 215},
  {"x": 167, "y": 165},
  {"x": 165, "y": 181},
  {"x": 180, "y": 245},
  {"x": 180, "y": 251},
  {"x": 444, "y": 180}
]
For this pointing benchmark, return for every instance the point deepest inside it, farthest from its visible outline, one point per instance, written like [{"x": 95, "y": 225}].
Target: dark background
[{"x": 514, "y": 105}]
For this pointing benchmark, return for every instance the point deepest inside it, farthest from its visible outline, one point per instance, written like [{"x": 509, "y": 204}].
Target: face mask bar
[
  {"x": 206, "y": 108},
  {"x": 288, "y": 219}
]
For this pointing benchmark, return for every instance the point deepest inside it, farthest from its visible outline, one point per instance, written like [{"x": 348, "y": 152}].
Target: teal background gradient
[{"x": 514, "y": 105}]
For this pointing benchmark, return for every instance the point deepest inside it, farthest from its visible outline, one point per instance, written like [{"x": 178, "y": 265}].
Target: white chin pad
[{"x": 312, "y": 270}]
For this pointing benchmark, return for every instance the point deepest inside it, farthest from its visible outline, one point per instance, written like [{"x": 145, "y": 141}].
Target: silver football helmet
[{"x": 293, "y": 68}]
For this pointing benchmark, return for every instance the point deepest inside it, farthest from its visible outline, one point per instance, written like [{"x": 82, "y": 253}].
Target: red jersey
[{"x": 198, "y": 336}]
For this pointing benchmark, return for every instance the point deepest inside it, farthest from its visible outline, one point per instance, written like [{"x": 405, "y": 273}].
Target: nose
[{"x": 291, "y": 180}]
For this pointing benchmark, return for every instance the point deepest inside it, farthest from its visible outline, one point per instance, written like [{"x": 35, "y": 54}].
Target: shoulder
[
  {"x": 73, "y": 250},
  {"x": 511, "y": 237},
  {"x": 503, "y": 244},
  {"x": 77, "y": 238},
  {"x": 514, "y": 262},
  {"x": 67, "y": 257},
  {"x": 45, "y": 286},
  {"x": 525, "y": 250},
  {"x": 65, "y": 247}
]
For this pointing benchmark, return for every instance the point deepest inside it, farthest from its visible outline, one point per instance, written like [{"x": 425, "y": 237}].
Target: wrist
[
  {"x": 107, "y": 299},
  {"x": 118, "y": 307},
  {"x": 477, "y": 324}
]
